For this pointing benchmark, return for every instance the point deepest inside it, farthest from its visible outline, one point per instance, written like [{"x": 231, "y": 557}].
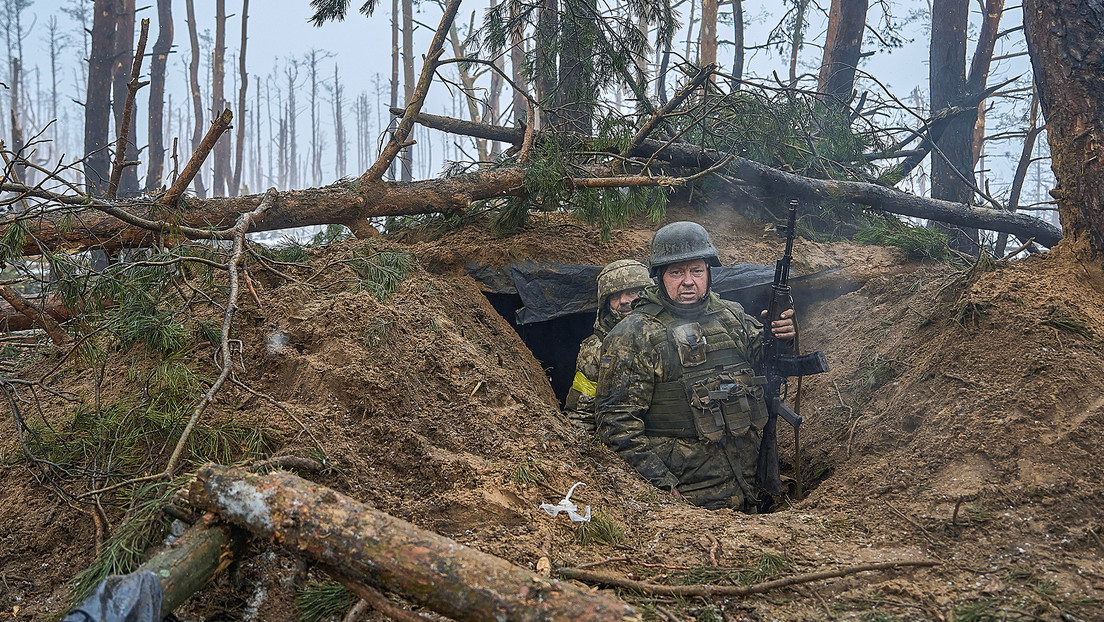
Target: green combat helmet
[
  {"x": 682, "y": 241},
  {"x": 621, "y": 275}
]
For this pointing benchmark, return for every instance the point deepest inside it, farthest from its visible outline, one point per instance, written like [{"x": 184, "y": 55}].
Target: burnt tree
[
  {"x": 197, "y": 100},
  {"x": 120, "y": 77},
  {"x": 158, "y": 64},
  {"x": 1066, "y": 44},
  {"x": 97, "y": 101}
]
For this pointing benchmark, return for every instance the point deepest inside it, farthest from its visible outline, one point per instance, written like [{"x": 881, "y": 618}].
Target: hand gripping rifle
[{"x": 779, "y": 362}]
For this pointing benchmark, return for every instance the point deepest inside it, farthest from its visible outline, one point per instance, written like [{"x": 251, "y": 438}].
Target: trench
[{"x": 552, "y": 308}]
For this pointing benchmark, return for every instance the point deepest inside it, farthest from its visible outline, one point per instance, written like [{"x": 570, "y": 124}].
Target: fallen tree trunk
[
  {"x": 352, "y": 202},
  {"x": 383, "y": 552},
  {"x": 349, "y": 203},
  {"x": 774, "y": 181}
]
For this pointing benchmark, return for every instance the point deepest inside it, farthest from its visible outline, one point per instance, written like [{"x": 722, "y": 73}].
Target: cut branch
[
  {"x": 217, "y": 129},
  {"x": 41, "y": 319},
  {"x": 398, "y": 137},
  {"x": 375, "y": 549}
]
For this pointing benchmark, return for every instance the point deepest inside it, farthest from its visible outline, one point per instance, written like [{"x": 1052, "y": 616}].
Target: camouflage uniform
[
  {"x": 616, "y": 277},
  {"x": 677, "y": 397}
]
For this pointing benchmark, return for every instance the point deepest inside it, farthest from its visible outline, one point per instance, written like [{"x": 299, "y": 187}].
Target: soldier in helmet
[
  {"x": 619, "y": 284},
  {"x": 677, "y": 395}
]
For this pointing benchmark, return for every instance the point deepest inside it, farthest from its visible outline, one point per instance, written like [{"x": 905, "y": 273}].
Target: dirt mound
[{"x": 957, "y": 425}]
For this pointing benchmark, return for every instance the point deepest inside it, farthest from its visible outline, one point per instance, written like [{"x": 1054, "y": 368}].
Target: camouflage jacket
[
  {"x": 636, "y": 355},
  {"x": 579, "y": 405}
]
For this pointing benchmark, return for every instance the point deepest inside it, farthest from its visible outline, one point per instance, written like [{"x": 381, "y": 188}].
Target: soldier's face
[
  {"x": 621, "y": 302},
  {"x": 686, "y": 282}
]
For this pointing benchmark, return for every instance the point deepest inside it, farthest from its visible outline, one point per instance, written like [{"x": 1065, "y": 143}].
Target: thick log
[
  {"x": 774, "y": 181},
  {"x": 185, "y": 567},
  {"x": 383, "y": 552}
]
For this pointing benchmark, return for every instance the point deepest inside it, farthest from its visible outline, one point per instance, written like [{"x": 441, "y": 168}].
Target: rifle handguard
[{"x": 802, "y": 364}]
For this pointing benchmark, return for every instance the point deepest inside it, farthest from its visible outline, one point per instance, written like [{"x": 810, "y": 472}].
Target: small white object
[{"x": 566, "y": 505}]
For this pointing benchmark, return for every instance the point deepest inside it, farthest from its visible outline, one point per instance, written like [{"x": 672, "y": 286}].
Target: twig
[
  {"x": 128, "y": 112},
  {"x": 277, "y": 404},
  {"x": 912, "y": 522},
  {"x": 731, "y": 590},
  {"x": 249, "y": 282},
  {"x": 611, "y": 560},
  {"x": 954, "y": 515},
  {"x": 402, "y": 131},
  {"x": 1097, "y": 538}
]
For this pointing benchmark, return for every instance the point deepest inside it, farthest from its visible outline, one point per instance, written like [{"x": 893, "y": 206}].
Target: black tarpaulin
[
  {"x": 134, "y": 597},
  {"x": 549, "y": 291}
]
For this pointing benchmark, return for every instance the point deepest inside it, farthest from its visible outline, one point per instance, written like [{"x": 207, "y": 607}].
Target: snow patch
[{"x": 245, "y": 502}]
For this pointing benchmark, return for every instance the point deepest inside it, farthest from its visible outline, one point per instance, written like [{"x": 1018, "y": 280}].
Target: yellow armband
[{"x": 583, "y": 385}]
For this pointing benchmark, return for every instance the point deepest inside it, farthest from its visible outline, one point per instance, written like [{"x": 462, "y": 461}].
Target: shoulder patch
[{"x": 605, "y": 362}]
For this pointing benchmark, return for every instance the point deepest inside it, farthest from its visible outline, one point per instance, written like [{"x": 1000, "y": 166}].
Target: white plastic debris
[{"x": 566, "y": 505}]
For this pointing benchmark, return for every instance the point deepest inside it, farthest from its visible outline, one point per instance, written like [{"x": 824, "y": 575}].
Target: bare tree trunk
[
  {"x": 494, "y": 97},
  {"x": 259, "y": 170},
  {"x": 979, "y": 67},
  {"x": 393, "y": 123},
  {"x": 737, "y": 44},
  {"x": 315, "y": 131},
  {"x": 158, "y": 64},
  {"x": 1066, "y": 43},
  {"x": 798, "y": 34},
  {"x": 548, "y": 31},
  {"x": 469, "y": 96},
  {"x": 18, "y": 168},
  {"x": 842, "y": 50},
  {"x": 197, "y": 100},
  {"x": 1022, "y": 166},
  {"x": 293, "y": 157},
  {"x": 339, "y": 128},
  {"x": 220, "y": 165},
  {"x": 707, "y": 51},
  {"x": 952, "y": 157},
  {"x": 55, "y": 44},
  {"x": 97, "y": 101},
  {"x": 406, "y": 159},
  {"x": 239, "y": 143},
  {"x": 690, "y": 28},
  {"x": 517, "y": 66},
  {"x": 124, "y": 59},
  {"x": 369, "y": 547}
]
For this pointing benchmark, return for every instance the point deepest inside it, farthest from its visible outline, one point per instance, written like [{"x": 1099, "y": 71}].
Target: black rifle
[{"x": 779, "y": 362}]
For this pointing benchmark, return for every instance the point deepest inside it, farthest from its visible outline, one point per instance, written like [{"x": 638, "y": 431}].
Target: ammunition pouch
[{"x": 727, "y": 404}]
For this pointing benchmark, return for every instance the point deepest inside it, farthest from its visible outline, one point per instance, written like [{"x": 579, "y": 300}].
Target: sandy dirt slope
[{"x": 960, "y": 424}]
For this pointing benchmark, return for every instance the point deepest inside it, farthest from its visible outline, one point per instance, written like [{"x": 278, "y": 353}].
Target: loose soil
[{"x": 959, "y": 424}]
